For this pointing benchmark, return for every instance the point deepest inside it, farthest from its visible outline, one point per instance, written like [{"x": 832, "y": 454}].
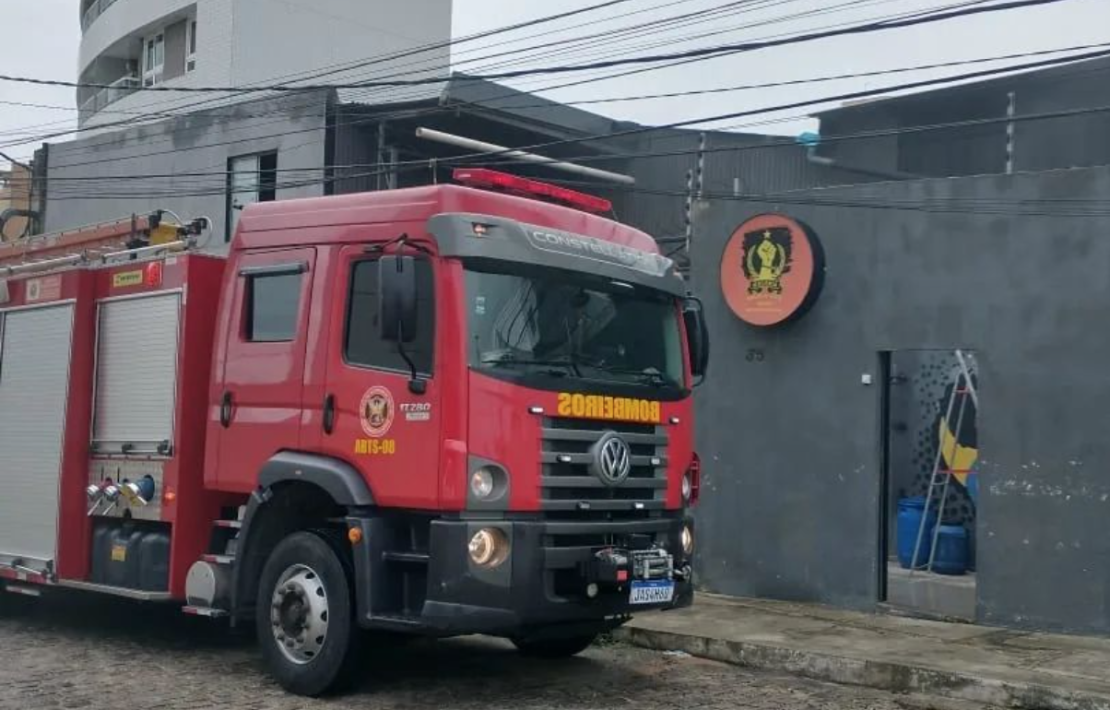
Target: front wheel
[
  {"x": 304, "y": 618},
  {"x": 554, "y": 647}
]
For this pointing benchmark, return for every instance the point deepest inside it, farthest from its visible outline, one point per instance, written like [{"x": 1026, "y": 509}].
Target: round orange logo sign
[
  {"x": 772, "y": 270},
  {"x": 376, "y": 411}
]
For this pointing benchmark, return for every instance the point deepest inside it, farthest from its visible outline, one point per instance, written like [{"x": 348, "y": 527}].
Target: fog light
[
  {"x": 687, "y": 540},
  {"x": 481, "y": 484},
  {"x": 687, "y": 488},
  {"x": 591, "y": 590},
  {"x": 489, "y": 548}
]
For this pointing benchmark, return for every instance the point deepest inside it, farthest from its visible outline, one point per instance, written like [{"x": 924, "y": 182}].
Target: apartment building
[{"x": 128, "y": 44}]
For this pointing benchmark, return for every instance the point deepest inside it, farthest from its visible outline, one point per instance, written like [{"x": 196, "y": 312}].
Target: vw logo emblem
[{"x": 612, "y": 459}]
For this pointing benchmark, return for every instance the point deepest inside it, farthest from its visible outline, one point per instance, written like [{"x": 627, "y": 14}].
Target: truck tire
[
  {"x": 304, "y": 616},
  {"x": 554, "y": 647}
]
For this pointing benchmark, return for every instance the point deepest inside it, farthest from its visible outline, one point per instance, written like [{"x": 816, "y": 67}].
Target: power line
[
  {"x": 515, "y": 53},
  {"x": 152, "y": 115},
  {"x": 741, "y": 114},
  {"x": 718, "y": 50},
  {"x": 348, "y": 66},
  {"x": 513, "y": 94},
  {"x": 424, "y": 164},
  {"x": 441, "y": 109},
  {"x": 602, "y": 78}
]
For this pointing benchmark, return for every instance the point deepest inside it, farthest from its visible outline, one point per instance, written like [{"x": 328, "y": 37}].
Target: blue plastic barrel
[
  {"x": 910, "y": 511},
  {"x": 951, "y": 557}
]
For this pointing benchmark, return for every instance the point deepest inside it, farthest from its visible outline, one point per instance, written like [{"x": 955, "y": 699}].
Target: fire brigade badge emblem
[
  {"x": 376, "y": 411},
  {"x": 766, "y": 259}
]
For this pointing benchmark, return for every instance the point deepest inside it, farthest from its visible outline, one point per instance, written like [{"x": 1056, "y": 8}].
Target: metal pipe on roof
[{"x": 503, "y": 151}]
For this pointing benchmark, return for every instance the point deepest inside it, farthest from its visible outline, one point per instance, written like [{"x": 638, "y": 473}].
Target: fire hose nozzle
[{"x": 139, "y": 493}]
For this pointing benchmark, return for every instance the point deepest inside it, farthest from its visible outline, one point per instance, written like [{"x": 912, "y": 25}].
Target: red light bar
[{"x": 525, "y": 187}]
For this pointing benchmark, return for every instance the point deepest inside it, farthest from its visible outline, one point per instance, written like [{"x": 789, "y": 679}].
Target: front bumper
[{"x": 542, "y": 586}]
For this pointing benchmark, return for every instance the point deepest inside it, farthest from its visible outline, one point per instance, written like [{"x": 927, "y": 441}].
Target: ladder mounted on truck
[{"x": 128, "y": 237}]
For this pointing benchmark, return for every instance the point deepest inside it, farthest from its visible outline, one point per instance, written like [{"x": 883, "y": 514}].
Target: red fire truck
[{"x": 440, "y": 410}]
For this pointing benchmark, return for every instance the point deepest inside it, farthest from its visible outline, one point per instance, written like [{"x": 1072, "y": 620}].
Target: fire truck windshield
[{"x": 555, "y": 325}]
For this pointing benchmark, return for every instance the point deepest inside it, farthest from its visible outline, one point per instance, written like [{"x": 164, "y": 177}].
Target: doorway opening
[{"x": 930, "y": 482}]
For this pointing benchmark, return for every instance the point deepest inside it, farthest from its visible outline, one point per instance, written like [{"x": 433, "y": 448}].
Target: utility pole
[{"x": 695, "y": 189}]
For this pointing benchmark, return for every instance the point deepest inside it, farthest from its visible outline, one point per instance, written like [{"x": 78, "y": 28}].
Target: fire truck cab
[{"x": 439, "y": 411}]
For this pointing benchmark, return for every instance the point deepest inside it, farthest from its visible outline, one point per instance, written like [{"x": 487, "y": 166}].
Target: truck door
[
  {"x": 387, "y": 431},
  {"x": 261, "y": 400}
]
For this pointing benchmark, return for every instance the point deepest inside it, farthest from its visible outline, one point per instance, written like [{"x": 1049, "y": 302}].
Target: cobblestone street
[{"x": 78, "y": 652}]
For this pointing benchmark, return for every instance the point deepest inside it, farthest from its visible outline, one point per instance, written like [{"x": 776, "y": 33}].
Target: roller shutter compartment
[
  {"x": 136, "y": 374},
  {"x": 35, "y": 354}
]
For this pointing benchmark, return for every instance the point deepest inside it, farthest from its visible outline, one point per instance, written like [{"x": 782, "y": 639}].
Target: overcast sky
[{"x": 41, "y": 39}]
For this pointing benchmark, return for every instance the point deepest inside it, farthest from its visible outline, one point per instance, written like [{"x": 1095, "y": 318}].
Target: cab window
[
  {"x": 272, "y": 306},
  {"x": 363, "y": 346}
]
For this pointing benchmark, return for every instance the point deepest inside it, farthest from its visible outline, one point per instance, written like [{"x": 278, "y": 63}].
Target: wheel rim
[{"x": 299, "y": 614}]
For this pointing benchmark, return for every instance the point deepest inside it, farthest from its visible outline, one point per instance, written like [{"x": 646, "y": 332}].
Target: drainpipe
[{"x": 812, "y": 141}]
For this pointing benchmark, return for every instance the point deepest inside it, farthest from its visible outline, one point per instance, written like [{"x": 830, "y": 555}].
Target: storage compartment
[
  {"x": 131, "y": 555},
  {"x": 35, "y": 361},
  {"x": 154, "y": 562},
  {"x": 136, "y": 374},
  {"x": 123, "y": 556},
  {"x": 101, "y": 552}
]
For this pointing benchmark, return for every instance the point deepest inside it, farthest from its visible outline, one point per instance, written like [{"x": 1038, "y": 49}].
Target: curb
[{"x": 883, "y": 675}]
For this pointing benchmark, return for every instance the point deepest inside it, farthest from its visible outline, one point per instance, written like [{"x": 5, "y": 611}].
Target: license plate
[{"x": 655, "y": 592}]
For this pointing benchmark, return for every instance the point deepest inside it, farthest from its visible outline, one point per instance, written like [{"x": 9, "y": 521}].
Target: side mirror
[
  {"x": 397, "y": 300},
  {"x": 697, "y": 338}
]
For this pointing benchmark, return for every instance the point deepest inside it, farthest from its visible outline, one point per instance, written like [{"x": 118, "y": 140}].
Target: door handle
[
  {"x": 225, "y": 410},
  {"x": 329, "y": 414}
]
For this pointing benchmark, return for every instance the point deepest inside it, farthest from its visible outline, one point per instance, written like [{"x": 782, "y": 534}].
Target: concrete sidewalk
[{"x": 961, "y": 661}]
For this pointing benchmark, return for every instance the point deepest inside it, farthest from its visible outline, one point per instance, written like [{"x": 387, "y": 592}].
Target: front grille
[{"x": 569, "y": 486}]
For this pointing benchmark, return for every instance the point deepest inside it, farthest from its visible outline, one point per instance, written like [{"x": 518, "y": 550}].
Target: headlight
[
  {"x": 687, "y": 540},
  {"x": 687, "y": 488},
  {"x": 481, "y": 484},
  {"x": 489, "y": 548}
]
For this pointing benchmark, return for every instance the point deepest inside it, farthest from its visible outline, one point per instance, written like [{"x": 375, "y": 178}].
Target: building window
[
  {"x": 272, "y": 304},
  {"x": 191, "y": 46},
  {"x": 250, "y": 179},
  {"x": 154, "y": 59},
  {"x": 363, "y": 346}
]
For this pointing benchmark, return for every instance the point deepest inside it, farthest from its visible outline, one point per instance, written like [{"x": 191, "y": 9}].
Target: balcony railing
[
  {"x": 118, "y": 89},
  {"x": 95, "y": 10}
]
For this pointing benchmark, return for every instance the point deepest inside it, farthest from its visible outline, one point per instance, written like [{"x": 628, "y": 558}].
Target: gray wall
[
  {"x": 277, "y": 38},
  {"x": 979, "y": 146},
  {"x": 88, "y": 180},
  {"x": 791, "y": 507},
  {"x": 733, "y": 164}
]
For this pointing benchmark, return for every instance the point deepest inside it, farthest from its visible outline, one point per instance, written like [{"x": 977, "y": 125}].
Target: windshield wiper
[
  {"x": 647, "y": 375},
  {"x": 500, "y": 361}
]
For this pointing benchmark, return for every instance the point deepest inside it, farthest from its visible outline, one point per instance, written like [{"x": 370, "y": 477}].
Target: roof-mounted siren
[
  {"x": 526, "y": 187},
  {"x": 486, "y": 179}
]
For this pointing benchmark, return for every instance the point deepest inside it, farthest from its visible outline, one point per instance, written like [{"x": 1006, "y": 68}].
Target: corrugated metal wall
[
  {"x": 736, "y": 167},
  {"x": 974, "y": 140}
]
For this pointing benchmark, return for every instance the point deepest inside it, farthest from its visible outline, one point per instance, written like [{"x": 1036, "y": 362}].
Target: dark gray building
[
  {"x": 808, "y": 430},
  {"x": 978, "y": 137}
]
